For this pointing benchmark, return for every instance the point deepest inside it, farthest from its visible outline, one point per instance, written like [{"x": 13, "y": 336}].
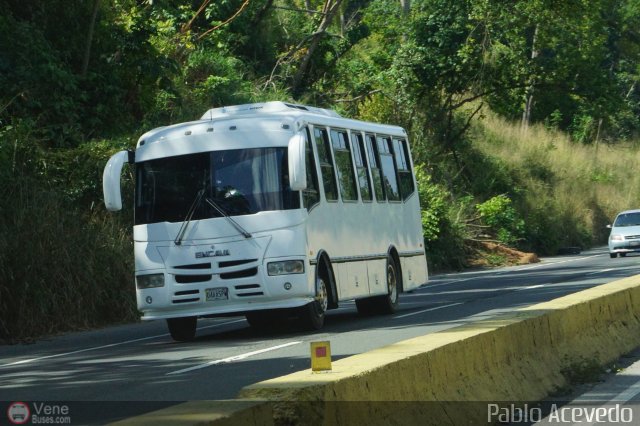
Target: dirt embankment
[{"x": 484, "y": 254}]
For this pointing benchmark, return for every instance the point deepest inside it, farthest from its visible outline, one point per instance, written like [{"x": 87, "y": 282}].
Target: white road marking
[
  {"x": 232, "y": 358},
  {"x": 428, "y": 286},
  {"x": 427, "y": 310},
  {"x": 26, "y": 361},
  {"x": 628, "y": 394},
  {"x": 532, "y": 286}
]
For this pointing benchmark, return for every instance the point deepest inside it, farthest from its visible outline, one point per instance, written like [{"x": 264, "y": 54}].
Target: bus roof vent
[{"x": 264, "y": 108}]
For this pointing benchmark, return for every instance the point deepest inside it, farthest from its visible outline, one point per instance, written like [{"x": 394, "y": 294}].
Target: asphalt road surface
[{"x": 141, "y": 363}]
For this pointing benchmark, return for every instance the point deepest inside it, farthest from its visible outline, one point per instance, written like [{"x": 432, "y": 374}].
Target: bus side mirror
[
  {"x": 297, "y": 169},
  {"x": 111, "y": 180}
]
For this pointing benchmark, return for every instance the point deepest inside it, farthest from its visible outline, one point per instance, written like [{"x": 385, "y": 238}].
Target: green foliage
[
  {"x": 60, "y": 268},
  {"x": 434, "y": 204},
  {"x": 42, "y": 48},
  {"x": 583, "y": 128},
  {"x": 499, "y": 213},
  {"x": 442, "y": 225},
  {"x": 64, "y": 263}
]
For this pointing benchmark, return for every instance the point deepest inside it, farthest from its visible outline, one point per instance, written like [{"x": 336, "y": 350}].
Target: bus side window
[
  {"x": 404, "y": 168},
  {"x": 311, "y": 195},
  {"x": 374, "y": 163},
  {"x": 344, "y": 165},
  {"x": 361, "y": 166},
  {"x": 326, "y": 165},
  {"x": 388, "y": 168}
]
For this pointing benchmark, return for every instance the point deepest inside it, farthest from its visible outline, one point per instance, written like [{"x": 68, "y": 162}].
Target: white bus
[{"x": 271, "y": 207}]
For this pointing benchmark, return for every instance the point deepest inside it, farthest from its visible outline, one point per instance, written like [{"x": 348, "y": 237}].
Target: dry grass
[{"x": 589, "y": 183}]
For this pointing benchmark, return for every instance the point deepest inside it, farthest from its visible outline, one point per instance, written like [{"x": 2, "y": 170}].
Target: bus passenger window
[
  {"x": 344, "y": 165},
  {"x": 388, "y": 169},
  {"x": 311, "y": 195},
  {"x": 374, "y": 163},
  {"x": 404, "y": 168},
  {"x": 361, "y": 166},
  {"x": 326, "y": 165}
]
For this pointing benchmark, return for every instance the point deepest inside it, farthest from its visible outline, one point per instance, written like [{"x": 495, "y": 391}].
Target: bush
[
  {"x": 60, "y": 269},
  {"x": 499, "y": 213},
  {"x": 441, "y": 226},
  {"x": 64, "y": 263}
]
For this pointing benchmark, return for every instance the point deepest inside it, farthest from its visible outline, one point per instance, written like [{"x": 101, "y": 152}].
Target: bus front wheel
[
  {"x": 312, "y": 314},
  {"x": 182, "y": 329}
]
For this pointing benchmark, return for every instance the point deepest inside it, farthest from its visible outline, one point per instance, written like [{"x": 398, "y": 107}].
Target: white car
[{"x": 625, "y": 233}]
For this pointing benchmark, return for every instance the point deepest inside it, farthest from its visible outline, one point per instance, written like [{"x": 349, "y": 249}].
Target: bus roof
[
  {"x": 265, "y": 107},
  {"x": 267, "y": 116},
  {"x": 301, "y": 113}
]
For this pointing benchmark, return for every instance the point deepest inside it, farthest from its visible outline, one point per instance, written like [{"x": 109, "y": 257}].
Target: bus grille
[
  {"x": 248, "y": 290},
  {"x": 240, "y": 274},
  {"x": 190, "y": 279},
  {"x": 187, "y": 299}
]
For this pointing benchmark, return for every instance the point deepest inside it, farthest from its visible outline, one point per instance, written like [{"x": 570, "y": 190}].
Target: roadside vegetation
[{"x": 523, "y": 118}]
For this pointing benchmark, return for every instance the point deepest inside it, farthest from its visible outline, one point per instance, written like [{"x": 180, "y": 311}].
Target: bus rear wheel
[
  {"x": 312, "y": 314},
  {"x": 182, "y": 329},
  {"x": 385, "y": 304}
]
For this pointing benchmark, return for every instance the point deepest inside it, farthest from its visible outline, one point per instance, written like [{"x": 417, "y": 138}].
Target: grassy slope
[{"x": 578, "y": 187}]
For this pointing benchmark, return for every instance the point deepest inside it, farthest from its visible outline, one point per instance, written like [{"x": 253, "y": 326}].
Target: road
[{"x": 140, "y": 362}]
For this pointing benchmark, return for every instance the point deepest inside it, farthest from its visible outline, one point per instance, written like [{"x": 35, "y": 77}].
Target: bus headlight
[
  {"x": 150, "y": 281},
  {"x": 285, "y": 267}
]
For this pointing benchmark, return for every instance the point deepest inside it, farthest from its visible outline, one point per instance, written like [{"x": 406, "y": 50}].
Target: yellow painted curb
[
  {"x": 518, "y": 356},
  {"x": 243, "y": 412}
]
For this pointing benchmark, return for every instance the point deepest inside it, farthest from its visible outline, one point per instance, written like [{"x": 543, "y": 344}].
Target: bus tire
[
  {"x": 388, "y": 303},
  {"x": 182, "y": 329},
  {"x": 312, "y": 314}
]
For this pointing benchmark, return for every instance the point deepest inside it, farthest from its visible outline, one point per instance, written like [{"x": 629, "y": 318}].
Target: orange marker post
[{"x": 320, "y": 356}]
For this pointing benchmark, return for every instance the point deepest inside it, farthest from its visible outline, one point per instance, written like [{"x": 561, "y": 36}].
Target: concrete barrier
[{"x": 518, "y": 356}]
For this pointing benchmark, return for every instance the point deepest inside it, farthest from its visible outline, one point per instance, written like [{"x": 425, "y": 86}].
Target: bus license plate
[{"x": 218, "y": 293}]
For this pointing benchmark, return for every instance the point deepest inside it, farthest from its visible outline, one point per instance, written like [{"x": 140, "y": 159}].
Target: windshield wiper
[
  {"x": 187, "y": 219},
  {"x": 223, "y": 213}
]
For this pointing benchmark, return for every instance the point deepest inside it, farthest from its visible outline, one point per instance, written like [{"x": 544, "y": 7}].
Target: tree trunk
[
  {"x": 406, "y": 7},
  {"x": 329, "y": 10},
  {"x": 528, "y": 106},
  {"x": 598, "y": 133},
  {"x": 87, "y": 50}
]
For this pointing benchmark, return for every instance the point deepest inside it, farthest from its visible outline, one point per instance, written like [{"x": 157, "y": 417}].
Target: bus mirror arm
[
  {"x": 111, "y": 180},
  {"x": 297, "y": 166}
]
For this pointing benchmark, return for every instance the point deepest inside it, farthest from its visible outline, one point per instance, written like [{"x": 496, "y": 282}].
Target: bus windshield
[{"x": 240, "y": 181}]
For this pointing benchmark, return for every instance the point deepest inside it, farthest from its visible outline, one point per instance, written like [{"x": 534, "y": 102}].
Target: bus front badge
[{"x": 212, "y": 253}]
